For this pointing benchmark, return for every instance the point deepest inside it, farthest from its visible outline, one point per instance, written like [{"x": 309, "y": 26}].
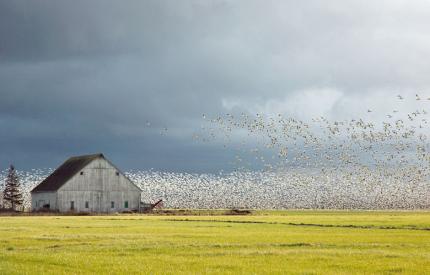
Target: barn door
[{"x": 97, "y": 199}]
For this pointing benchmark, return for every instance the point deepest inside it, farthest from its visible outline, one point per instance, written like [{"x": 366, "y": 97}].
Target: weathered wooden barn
[{"x": 89, "y": 183}]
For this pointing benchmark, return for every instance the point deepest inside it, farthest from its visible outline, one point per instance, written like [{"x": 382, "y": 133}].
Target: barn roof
[{"x": 65, "y": 172}]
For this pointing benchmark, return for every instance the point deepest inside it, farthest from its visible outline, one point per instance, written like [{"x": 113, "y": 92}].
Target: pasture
[{"x": 268, "y": 242}]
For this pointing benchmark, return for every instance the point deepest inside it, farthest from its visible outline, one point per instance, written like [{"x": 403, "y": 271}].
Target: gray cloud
[{"x": 85, "y": 76}]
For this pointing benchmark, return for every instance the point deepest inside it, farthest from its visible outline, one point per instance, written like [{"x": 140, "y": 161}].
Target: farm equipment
[{"x": 146, "y": 207}]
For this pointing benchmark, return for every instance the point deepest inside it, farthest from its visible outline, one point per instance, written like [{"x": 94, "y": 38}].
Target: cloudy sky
[{"x": 82, "y": 76}]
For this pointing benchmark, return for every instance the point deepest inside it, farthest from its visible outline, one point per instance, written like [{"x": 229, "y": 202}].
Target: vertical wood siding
[{"x": 99, "y": 185}]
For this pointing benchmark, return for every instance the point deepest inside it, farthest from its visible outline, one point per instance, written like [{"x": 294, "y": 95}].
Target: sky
[{"x": 80, "y": 77}]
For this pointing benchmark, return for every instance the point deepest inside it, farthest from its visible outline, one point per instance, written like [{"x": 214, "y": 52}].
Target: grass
[{"x": 268, "y": 242}]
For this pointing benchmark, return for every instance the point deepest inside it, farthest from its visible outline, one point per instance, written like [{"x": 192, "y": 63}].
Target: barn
[{"x": 89, "y": 183}]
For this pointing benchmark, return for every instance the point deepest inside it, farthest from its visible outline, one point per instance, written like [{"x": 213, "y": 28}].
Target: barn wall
[
  {"x": 99, "y": 186},
  {"x": 38, "y": 199}
]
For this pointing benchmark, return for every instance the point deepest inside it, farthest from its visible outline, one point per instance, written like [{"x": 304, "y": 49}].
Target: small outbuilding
[{"x": 89, "y": 183}]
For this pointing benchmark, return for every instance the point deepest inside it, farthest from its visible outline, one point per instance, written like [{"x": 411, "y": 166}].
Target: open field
[{"x": 300, "y": 242}]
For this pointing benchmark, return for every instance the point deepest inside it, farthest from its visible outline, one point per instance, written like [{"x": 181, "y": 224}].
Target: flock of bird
[
  {"x": 390, "y": 155},
  {"x": 322, "y": 163},
  {"x": 292, "y": 189}
]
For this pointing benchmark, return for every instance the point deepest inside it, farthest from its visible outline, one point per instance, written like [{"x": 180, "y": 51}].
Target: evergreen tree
[
  {"x": 1, "y": 194},
  {"x": 12, "y": 193}
]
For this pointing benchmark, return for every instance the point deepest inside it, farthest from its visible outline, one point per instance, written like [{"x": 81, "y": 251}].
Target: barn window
[
  {"x": 117, "y": 173},
  {"x": 112, "y": 204},
  {"x": 82, "y": 172},
  {"x": 87, "y": 204},
  {"x": 72, "y": 205},
  {"x": 126, "y": 204}
]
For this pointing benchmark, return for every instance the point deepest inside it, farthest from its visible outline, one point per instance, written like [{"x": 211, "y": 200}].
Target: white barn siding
[
  {"x": 40, "y": 199},
  {"x": 100, "y": 184}
]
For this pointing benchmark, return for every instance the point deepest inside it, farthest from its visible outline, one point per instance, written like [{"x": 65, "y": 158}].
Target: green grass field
[{"x": 297, "y": 242}]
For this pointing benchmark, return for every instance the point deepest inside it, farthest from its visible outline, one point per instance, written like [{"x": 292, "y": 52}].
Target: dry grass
[{"x": 267, "y": 242}]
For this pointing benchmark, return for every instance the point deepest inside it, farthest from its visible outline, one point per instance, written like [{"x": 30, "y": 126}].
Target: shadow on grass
[{"x": 310, "y": 224}]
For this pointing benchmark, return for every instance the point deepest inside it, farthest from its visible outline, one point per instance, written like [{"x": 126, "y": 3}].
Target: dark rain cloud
[{"x": 85, "y": 76}]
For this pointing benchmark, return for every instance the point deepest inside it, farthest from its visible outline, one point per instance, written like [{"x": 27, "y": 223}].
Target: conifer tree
[
  {"x": 12, "y": 193},
  {"x": 1, "y": 195}
]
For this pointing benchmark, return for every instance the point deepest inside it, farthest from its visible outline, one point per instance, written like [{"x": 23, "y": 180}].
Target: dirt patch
[
  {"x": 237, "y": 212},
  {"x": 190, "y": 212}
]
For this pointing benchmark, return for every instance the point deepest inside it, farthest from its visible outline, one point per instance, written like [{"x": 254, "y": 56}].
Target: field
[{"x": 296, "y": 242}]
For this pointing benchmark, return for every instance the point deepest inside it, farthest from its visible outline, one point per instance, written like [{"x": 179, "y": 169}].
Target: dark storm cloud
[{"x": 85, "y": 76}]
